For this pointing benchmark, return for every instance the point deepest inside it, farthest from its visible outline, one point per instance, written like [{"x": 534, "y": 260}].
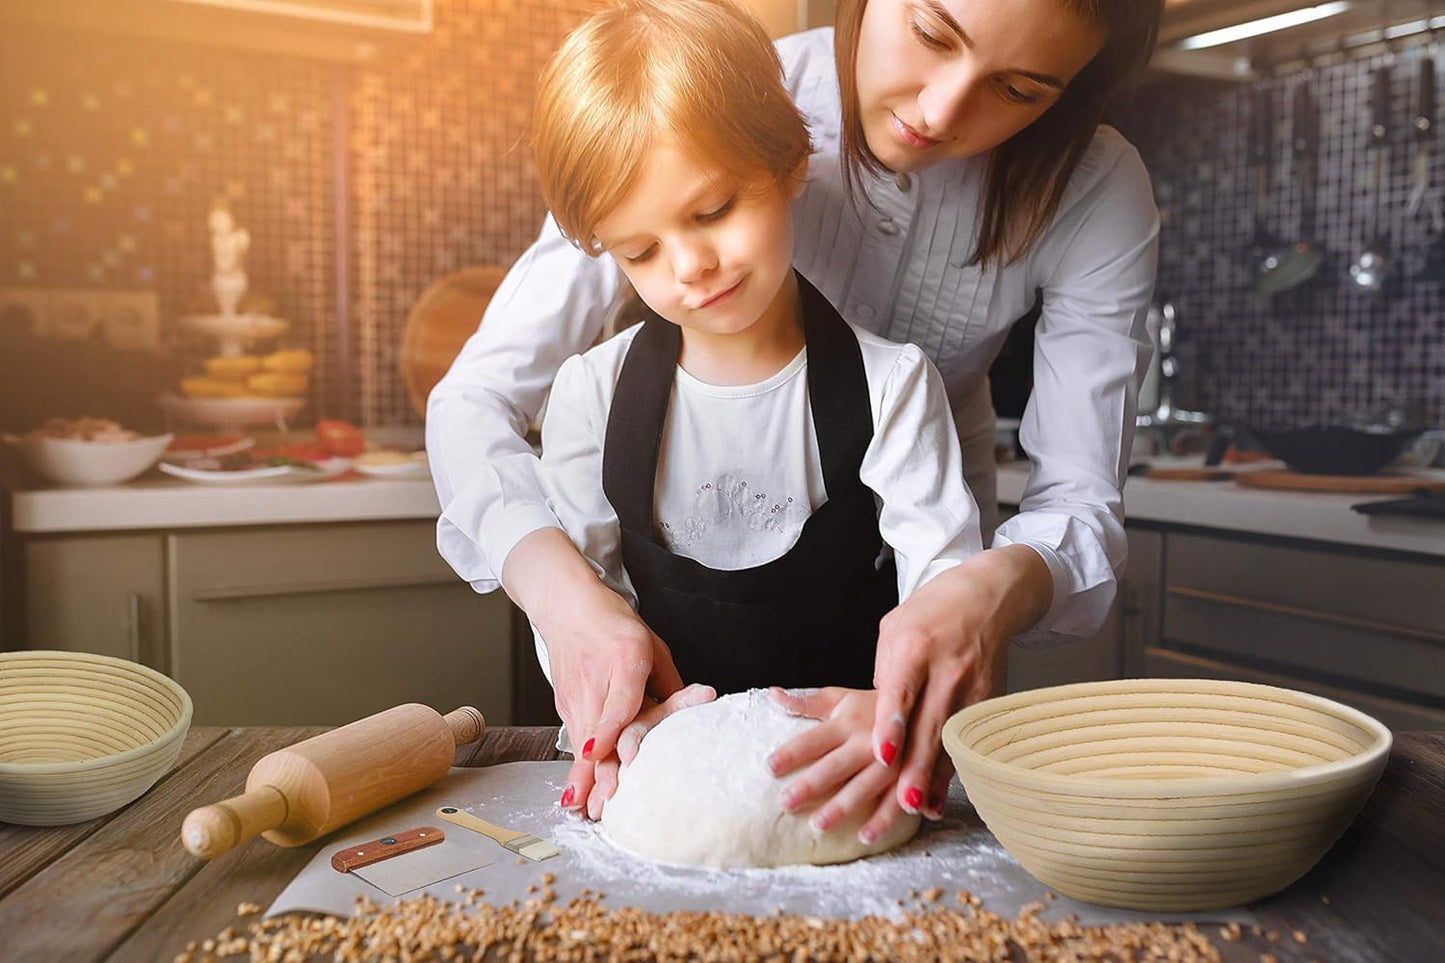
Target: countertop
[
  {"x": 165, "y": 503},
  {"x": 1315, "y": 516},
  {"x": 160, "y": 502},
  {"x": 121, "y": 887}
]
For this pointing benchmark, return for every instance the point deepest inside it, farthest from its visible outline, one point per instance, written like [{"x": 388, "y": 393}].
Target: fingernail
[
  {"x": 568, "y": 794},
  {"x": 867, "y": 837},
  {"x": 788, "y": 799},
  {"x": 773, "y": 765},
  {"x": 934, "y": 809},
  {"x": 587, "y": 748},
  {"x": 819, "y": 823},
  {"x": 887, "y": 752},
  {"x": 912, "y": 799}
]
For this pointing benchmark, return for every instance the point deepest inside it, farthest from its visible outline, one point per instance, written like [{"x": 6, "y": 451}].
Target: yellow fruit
[
  {"x": 292, "y": 360},
  {"x": 277, "y": 384},
  {"x": 197, "y": 386},
  {"x": 233, "y": 369}
]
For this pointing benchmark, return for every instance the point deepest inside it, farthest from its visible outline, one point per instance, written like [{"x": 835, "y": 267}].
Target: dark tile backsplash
[
  {"x": 112, "y": 150},
  {"x": 1322, "y": 352}
]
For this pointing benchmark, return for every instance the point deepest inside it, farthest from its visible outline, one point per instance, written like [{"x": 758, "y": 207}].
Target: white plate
[
  {"x": 195, "y": 453},
  {"x": 407, "y": 469},
  {"x": 269, "y": 474}
]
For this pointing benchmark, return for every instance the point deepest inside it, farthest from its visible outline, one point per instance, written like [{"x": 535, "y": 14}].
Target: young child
[{"x": 739, "y": 465}]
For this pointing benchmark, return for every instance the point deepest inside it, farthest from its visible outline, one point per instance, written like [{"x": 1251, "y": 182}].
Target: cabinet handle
[
  {"x": 1329, "y": 618},
  {"x": 133, "y": 619},
  {"x": 236, "y": 593}
]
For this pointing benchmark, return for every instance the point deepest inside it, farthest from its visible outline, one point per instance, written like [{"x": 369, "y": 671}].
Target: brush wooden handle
[{"x": 305, "y": 791}]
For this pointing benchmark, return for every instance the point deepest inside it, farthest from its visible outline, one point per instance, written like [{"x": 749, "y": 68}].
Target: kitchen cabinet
[
  {"x": 96, "y": 593},
  {"x": 1362, "y": 627},
  {"x": 317, "y": 625},
  {"x": 304, "y": 624},
  {"x": 346, "y": 30}
]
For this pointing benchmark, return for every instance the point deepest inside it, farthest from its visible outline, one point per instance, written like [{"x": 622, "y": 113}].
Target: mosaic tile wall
[
  {"x": 113, "y": 150},
  {"x": 442, "y": 168},
  {"x": 1324, "y": 351}
]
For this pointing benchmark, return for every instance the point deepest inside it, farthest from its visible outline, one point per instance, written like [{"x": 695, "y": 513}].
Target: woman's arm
[
  {"x": 1052, "y": 567},
  {"x": 1096, "y": 270},
  {"x": 549, "y": 307}
]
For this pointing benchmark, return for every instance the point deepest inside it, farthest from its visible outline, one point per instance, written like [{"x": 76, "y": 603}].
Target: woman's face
[{"x": 941, "y": 79}]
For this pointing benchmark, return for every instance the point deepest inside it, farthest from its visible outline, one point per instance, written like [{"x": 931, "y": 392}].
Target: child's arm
[
  {"x": 599, "y": 672},
  {"x": 915, "y": 467}
]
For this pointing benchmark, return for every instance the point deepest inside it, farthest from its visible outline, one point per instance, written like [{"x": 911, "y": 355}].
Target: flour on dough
[{"x": 699, "y": 793}]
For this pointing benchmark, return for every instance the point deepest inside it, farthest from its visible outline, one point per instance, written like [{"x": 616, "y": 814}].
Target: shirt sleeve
[
  {"x": 915, "y": 467},
  {"x": 550, "y": 306},
  {"x": 573, "y": 432},
  {"x": 1091, "y": 350}
]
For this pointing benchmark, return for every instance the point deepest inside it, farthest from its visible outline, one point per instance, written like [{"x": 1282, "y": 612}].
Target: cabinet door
[
  {"x": 321, "y": 625},
  {"x": 97, "y": 593}
]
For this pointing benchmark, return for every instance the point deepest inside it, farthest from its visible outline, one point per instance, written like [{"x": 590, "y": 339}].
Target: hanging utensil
[
  {"x": 1260, "y": 137},
  {"x": 1370, "y": 270},
  {"x": 1432, "y": 265},
  {"x": 1291, "y": 265}
]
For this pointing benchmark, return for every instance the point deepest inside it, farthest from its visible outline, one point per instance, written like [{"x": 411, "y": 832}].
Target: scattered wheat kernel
[
  {"x": 1272, "y": 936},
  {"x": 1300, "y": 937},
  {"x": 1324, "y": 899}
]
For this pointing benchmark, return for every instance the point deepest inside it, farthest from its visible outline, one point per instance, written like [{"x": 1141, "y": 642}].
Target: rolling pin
[{"x": 303, "y": 792}]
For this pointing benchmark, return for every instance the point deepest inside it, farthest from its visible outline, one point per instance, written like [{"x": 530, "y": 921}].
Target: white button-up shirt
[{"x": 898, "y": 267}]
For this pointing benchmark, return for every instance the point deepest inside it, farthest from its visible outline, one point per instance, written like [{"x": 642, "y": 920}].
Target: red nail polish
[
  {"x": 913, "y": 798},
  {"x": 568, "y": 795},
  {"x": 587, "y": 748},
  {"x": 888, "y": 750}
]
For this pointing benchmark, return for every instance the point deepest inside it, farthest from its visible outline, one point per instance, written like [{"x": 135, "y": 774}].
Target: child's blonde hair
[{"x": 701, "y": 72}]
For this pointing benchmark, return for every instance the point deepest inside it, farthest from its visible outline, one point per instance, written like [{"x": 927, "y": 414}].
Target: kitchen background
[
  {"x": 368, "y": 164},
  {"x": 374, "y": 180}
]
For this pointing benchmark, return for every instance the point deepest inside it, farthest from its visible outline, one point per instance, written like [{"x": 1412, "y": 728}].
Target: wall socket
[{"x": 127, "y": 320}]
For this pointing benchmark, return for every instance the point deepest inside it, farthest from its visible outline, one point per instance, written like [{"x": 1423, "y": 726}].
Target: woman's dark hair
[{"x": 1027, "y": 173}]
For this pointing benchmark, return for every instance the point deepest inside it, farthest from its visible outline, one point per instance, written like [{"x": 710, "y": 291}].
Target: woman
[{"x": 961, "y": 174}]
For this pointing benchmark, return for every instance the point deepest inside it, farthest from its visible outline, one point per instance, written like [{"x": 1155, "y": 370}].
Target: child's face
[{"x": 703, "y": 250}]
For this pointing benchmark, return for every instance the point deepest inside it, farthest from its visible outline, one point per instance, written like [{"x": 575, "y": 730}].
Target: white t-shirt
[{"x": 739, "y": 472}]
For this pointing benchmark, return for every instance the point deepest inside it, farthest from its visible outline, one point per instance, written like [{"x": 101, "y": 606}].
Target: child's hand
[{"x": 838, "y": 754}]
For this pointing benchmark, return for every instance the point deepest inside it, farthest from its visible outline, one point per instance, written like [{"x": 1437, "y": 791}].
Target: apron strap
[
  {"x": 636, "y": 419},
  {"x": 837, "y": 390}
]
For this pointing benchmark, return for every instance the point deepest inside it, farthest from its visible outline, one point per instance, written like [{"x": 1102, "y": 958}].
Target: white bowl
[
  {"x": 70, "y": 461},
  {"x": 1166, "y": 794},
  {"x": 82, "y": 735}
]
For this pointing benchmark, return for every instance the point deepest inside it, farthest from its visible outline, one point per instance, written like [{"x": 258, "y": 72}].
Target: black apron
[{"x": 807, "y": 618}]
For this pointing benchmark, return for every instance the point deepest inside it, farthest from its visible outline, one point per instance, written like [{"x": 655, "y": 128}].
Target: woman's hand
[
  {"x": 602, "y": 657},
  {"x": 839, "y": 762},
  {"x": 609, "y": 770},
  {"x": 944, "y": 648}
]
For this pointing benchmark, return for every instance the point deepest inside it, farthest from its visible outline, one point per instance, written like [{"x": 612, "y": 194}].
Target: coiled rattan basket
[
  {"x": 1166, "y": 794},
  {"x": 82, "y": 735}
]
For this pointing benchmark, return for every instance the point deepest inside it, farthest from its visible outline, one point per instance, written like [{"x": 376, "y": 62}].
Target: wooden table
[{"x": 122, "y": 888}]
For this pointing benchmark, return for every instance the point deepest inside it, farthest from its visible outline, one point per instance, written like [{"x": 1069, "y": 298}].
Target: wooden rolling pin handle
[
  {"x": 211, "y": 830},
  {"x": 467, "y": 724}
]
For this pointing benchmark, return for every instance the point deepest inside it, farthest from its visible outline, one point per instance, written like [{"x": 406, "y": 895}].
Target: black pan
[{"x": 1335, "y": 449}]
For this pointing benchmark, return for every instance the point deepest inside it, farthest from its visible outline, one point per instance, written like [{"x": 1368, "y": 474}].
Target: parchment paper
[{"x": 958, "y": 853}]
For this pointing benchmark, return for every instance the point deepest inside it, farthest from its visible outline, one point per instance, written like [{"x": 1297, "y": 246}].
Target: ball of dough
[{"x": 699, "y": 793}]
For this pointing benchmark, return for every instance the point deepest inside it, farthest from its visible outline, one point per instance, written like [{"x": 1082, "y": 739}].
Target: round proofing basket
[
  {"x": 82, "y": 735},
  {"x": 1166, "y": 794}
]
